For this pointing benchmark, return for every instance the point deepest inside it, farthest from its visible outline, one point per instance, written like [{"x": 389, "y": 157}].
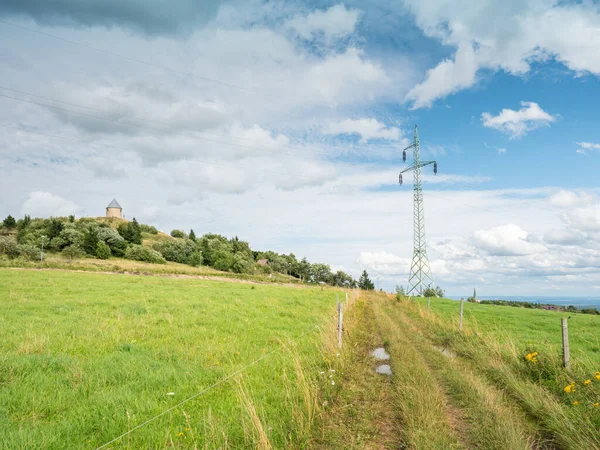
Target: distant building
[
  {"x": 263, "y": 262},
  {"x": 114, "y": 209}
]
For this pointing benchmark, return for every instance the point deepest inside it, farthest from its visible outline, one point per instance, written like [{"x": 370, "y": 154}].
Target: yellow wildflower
[
  {"x": 596, "y": 404},
  {"x": 586, "y": 382},
  {"x": 569, "y": 388},
  {"x": 528, "y": 356},
  {"x": 576, "y": 403},
  {"x": 180, "y": 434},
  {"x": 597, "y": 376},
  {"x": 535, "y": 354}
]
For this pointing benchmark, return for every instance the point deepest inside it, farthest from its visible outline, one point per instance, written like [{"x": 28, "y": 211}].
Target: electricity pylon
[{"x": 420, "y": 272}]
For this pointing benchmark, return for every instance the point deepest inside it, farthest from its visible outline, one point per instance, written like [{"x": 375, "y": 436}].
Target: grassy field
[{"x": 86, "y": 357}]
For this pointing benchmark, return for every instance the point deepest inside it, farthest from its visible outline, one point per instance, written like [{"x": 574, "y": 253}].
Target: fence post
[
  {"x": 346, "y": 300},
  {"x": 340, "y": 321},
  {"x": 428, "y": 303},
  {"x": 462, "y": 307},
  {"x": 565, "y": 342}
]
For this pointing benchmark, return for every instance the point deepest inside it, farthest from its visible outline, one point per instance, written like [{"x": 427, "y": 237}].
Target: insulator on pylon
[
  {"x": 400, "y": 178},
  {"x": 435, "y": 168},
  {"x": 404, "y": 156}
]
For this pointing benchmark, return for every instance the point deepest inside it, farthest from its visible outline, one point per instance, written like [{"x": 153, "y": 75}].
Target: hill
[{"x": 107, "y": 244}]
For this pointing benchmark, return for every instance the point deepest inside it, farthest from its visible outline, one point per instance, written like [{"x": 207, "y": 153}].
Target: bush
[
  {"x": 72, "y": 252},
  {"x": 114, "y": 240},
  {"x": 103, "y": 250},
  {"x": 30, "y": 252},
  {"x": 9, "y": 247},
  {"x": 148, "y": 229},
  {"x": 177, "y": 234},
  {"x": 176, "y": 250},
  {"x": 223, "y": 260},
  {"x": 141, "y": 253},
  {"x": 242, "y": 264},
  {"x": 195, "y": 259}
]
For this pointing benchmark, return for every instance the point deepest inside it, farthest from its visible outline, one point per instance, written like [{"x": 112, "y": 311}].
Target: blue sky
[{"x": 283, "y": 123}]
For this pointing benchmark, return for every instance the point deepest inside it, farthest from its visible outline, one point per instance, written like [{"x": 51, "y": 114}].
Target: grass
[
  {"x": 121, "y": 265},
  {"x": 88, "y": 356},
  {"x": 523, "y": 327}
]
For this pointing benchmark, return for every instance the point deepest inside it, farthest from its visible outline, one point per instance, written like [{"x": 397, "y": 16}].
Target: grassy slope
[
  {"x": 121, "y": 265},
  {"x": 88, "y": 356}
]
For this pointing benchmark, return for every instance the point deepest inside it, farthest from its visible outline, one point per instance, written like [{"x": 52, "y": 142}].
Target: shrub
[
  {"x": 102, "y": 250},
  {"x": 195, "y": 259},
  {"x": 9, "y": 247},
  {"x": 30, "y": 252},
  {"x": 177, "y": 234},
  {"x": 71, "y": 236},
  {"x": 57, "y": 243},
  {"x": 140, "y": 253},
  {"x": 72, "y": 252},
  {"x": 114, "y": 240},
  {"x": 242, "y": 264},
  {"x": 148, "y": 229},
  {"x": 223, "y": 260},
  {"x": 177, "y": 250}
]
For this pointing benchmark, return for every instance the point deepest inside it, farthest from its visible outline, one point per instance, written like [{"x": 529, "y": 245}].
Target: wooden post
[
  {"x": 346, "y": 300},
  {"x": 565, "y": 342},
  {"x": 462, "y": 307},
  {"x": 340, "y": 321}
]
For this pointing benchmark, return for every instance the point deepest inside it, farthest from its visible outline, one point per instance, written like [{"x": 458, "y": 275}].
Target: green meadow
[
  {"x": 523, "y": 328},
  {"x": 86, "y": 357}
]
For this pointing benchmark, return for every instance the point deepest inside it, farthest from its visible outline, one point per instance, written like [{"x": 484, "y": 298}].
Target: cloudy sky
[{"x": 284, "y": 122}]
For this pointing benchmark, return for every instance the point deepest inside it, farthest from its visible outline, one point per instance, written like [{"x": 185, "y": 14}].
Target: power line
[
  {"x": 119, "y": 122},
  {"x": 325, "y": 154},
  {"x": 221, "y": 381},
  {"x": 122, "y": 148},
  {"x": 129, "y": 58}
]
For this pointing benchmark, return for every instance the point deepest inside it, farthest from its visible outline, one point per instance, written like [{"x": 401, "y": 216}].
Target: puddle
[
  {"x": 445, "y": 351},
  {"x": 380, "y": 354},
  {"x": 384, "y": 369}
]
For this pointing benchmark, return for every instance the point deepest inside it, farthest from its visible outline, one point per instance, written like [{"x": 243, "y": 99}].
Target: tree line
[{"x": 88, "y": 237}]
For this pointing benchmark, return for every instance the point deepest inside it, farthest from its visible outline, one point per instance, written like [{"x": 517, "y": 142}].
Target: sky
[{"x": 284, "y": 123}]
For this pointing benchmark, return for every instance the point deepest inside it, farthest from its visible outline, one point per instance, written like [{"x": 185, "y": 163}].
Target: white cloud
[
  {"x": 335, "y": 22},
  {"x": 45, "y": 204},
  {"x": 506, "y": 36},
  {"x": 567, "y": 199},
  {"x": 366, "y": 128},
  {"x": 506, "y": 240},
  {"x": 518, "y": 123},
  {"x": 501, "y": 151},
  {"x": 584, "y": 147}
]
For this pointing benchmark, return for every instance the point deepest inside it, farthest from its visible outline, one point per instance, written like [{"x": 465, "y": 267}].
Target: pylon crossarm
[{"x": 421, "y": 164}]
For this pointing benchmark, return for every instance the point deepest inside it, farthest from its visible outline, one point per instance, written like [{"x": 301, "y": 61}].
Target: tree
[
  {"x": 55, "y": 226},
  {"x": 364, "y": 282},
  {"x": 71, "y": 218},
  {"x": 433, "y": 292},
  {"x": 192, "y": 236},
  {"x": 9, "y": 222},
  {"x": 400, "y": 290},
  {"x": 90, "y": 241},
  {"x": 131, "y": 232},
  {"x": 102, "y": 250}
]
